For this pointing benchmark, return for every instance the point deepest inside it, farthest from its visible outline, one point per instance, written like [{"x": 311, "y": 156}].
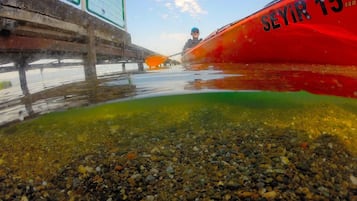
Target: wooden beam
[
  {"x": 21, "y": 66},
  {"x": 90, "y": 60},
  {"x": 45, "y": 33},
  {"x": 23, "y": 15},
  {"x": 30, "y": 44}
]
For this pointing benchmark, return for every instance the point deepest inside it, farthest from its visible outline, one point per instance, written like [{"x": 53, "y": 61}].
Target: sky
[{"x": 164, "y": 25}]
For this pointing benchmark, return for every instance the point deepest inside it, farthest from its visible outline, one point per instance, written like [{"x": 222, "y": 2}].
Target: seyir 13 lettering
[{"x": 291, "y": 13}]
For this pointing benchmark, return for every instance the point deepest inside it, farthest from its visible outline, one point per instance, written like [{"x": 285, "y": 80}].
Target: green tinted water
[{"x": 153, "y": 128}]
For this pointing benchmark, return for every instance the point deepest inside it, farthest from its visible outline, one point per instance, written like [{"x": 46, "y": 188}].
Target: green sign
[
  {"x": 111, "y": 11},
  {"x": 77, "y": 2}
]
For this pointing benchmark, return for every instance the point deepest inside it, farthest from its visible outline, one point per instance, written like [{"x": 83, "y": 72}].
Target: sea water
[{"x": 206, "y": 133}]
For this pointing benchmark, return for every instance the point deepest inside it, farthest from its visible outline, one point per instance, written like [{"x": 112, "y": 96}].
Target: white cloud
[
  {"x": 190, "y": 6},
  {"x": 169, "y": 5}
]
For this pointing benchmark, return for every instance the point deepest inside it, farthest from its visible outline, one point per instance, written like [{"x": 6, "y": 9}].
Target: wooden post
[
  {"x": 90, "y": 59},
  {"x": 21, "y": 65},
  {"x": 141, "y": 57},
  {"x": 123, "y": 67},
  {"x": 141, "y": 66}
]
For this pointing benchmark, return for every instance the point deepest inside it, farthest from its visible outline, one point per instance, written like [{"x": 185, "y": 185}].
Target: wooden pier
[{"x": 31, "y": 30}]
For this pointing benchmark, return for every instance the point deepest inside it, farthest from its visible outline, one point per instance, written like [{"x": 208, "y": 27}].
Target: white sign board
[{"x": 108, "y": 10}]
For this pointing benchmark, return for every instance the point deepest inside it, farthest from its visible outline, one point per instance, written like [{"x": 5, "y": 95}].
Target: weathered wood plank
[
  {"x": 46, "y": 33},
  {"x": 29, "y": 44},
  {"x": 90, "y": 59},
  {"x": 23, "y": 15},
  {"x": 56, "y": 10}
]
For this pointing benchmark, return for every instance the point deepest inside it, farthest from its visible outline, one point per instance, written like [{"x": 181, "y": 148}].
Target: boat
[{"x": 285, "y": 31}]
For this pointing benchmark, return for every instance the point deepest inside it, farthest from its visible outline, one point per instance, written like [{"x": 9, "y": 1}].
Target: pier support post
[
  {"x": 90, "y": 59},
  {"x": 123, "y": 67},
  {"x": 21, "y": 64},
  {"x": 141, "y": 66}
]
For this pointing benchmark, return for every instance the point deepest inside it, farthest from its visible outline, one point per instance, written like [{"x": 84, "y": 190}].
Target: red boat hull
[{"x": 290, "y": 31}]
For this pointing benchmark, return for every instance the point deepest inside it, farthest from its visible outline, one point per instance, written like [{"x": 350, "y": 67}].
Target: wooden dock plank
[
  {"x": 31, "y": 44},
  {"x": 23, "y": 15}
]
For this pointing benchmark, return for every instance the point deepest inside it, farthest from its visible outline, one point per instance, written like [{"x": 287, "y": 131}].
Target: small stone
[
  {"x": 81, "y": 169},
  {"x": 220, "y": 183},
  {"x": 170, "y": 170},
  {"x": 245, "y": 194},
  {"x": 284, "y": 160},
  {"x": 303, "y": 190},
  {"x": 304, "y": 145},
  {"x": 150, "y": 198},
  {"x": 136, "y": 176},
  {"x": 330, "y": 145},
  {"x": 76, "y": 182},
  {"x": 150, "y": 178},
  {"x": 155, "y": 158},
  {"x": 324, "y": 191},
  {"x": 227, "y": 197},
  {"x": 353, "y": 179},
  {"x": 97, "y": 179},
  {"x": 24, "y": 198},
  {"x": 155, "y": 150},
  {"x": 131, "y": 155},
  {"x": 118, "y": 167},
  {"x": 270, "y": 195},
  {"x": 154, "y": 171}
]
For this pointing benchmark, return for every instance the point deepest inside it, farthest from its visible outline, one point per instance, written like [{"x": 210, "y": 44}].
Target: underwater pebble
[
  {"x": 24, "y": 198},
  {"x": 270, "y": 195},
  {"x": 170, "y": 170},
  {"x": 353, "y": 179}
]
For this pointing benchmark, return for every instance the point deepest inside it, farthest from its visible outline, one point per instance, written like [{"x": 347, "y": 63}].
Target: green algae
[
  {"x": 253, "y": 100},
  {"x": 53, "y": 140}
]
